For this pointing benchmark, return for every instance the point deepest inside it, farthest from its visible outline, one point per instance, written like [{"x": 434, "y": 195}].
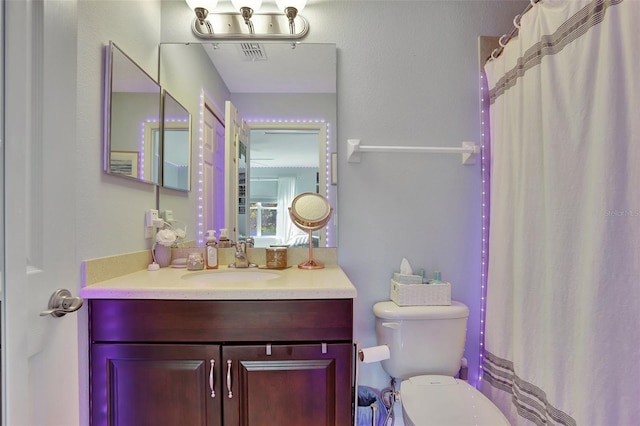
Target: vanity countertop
[{"x": 174, "y": 284}]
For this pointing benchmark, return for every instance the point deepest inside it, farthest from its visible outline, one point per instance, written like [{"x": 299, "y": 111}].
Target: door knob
[{"x": 61, "y": 303}]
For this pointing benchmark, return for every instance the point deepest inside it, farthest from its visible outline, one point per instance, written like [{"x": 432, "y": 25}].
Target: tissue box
[
  {"x": 420, "y": 294},
  {"x": 407, "y": 279}
]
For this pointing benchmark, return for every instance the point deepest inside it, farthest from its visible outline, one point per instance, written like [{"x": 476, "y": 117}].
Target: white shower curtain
[{"x": 562, "y": 340}]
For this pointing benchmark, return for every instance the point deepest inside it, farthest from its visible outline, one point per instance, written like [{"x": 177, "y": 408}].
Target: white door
[
  {"x": 213, "y": 146},
  {"x": 236, "y": 146},
  {"x": 40, "y": 365}
]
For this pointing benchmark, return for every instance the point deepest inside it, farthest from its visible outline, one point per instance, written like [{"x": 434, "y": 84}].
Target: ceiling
[
  {"x": 284, "y": 148},
  {"x": 275, "y": 67}
]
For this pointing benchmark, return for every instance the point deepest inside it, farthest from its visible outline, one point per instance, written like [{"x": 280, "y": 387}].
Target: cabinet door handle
[
  {"x": 212, "y": 379},
  {"x": 229, "y": 378}
]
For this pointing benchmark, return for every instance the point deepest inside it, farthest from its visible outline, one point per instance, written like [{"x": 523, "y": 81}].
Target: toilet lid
[{"x": 442, "y": 400}]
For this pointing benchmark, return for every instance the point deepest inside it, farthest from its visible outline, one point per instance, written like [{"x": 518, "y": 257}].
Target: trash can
[{"x": 371, "y": 410}]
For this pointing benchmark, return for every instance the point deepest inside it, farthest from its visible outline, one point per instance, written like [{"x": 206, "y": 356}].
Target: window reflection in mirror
[
  {"x": 286, "y": 159},
  {"x": 176, "y": 144},
  {"x": 132, "y": 113}
]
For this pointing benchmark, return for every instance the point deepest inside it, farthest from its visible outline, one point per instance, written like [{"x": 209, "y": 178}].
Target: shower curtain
[{"x": 562, "y": 339}]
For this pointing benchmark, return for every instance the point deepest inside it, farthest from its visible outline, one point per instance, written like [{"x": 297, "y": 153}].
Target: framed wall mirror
[
  {"x": 284, "y": 90},
  {"x": 176, "y": 144},
  {"x": 132, "y": 117}
]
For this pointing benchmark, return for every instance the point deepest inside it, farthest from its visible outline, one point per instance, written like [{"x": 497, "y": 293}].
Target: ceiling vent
[{"x": 252, "y": 52}]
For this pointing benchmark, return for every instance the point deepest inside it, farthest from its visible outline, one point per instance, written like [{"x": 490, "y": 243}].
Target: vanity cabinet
[{"x": 204, "y": 362}]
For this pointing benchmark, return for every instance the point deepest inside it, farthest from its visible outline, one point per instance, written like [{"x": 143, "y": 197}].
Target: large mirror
[
  {"x": 286, "y": 95},
  {"x": 132, "y": 119},
  {"x": 176, "y": 144}
]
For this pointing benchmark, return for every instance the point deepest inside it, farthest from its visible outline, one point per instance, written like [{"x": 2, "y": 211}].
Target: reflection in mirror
[
  {"x": 132, "y": 116},
  {"x": 280, "y": 86},
  {"x": 176, "y": 144},
  {"x": 285, "y": 159},
  {"x": 243, "y": 174}
]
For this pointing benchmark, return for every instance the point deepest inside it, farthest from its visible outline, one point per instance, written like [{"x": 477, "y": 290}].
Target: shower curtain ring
[
  {"x": 516, "y": 21},
  {"x": 500, "y": 41},
  {"x": 494, "y": 54},
  {"x": 533, "y": 2}
]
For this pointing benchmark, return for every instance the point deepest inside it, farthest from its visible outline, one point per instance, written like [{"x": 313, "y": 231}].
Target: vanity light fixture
[
  {"x": 202, "y": 8},
  {"x": 291, "y": 8},
  {"x": 246, "y": 8},
  {"x": 246, "y": 22}
]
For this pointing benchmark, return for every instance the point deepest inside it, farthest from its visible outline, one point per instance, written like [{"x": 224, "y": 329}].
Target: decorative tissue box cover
[
  {"x": 407, "y": 279},
  {"x": 420, "y": 294}
]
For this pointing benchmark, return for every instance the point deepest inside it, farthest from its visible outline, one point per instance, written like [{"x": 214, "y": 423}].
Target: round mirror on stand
[{"x": 310, "y": 212}]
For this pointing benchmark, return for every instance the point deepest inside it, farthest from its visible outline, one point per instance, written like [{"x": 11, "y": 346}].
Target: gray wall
[
  {"x": 186, "y": 83},
  {"x": 407, "y": 75},
  {"x": 110, "y": 209}
]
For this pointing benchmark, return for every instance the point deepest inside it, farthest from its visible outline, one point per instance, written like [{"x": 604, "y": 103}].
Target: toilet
[{"x": 426, "y": 344}]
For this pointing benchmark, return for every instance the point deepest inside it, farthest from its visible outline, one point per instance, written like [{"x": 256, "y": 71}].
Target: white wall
[
  {"x": 186, "y": 83},
  {"x": 407, "y": 75},
  {"x": 110, "y": 209}
]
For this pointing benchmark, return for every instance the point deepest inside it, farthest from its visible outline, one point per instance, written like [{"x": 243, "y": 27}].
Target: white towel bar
[{"x": 469, "y": 150}]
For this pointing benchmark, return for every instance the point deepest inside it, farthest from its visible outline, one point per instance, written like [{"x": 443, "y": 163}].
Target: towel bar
[{"x": 469, "y": 150}]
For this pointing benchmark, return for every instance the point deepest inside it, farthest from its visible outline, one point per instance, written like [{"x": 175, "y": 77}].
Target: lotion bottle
[
  {"x": 211, "y": 251},
  {"x": 437, "y": 278}
]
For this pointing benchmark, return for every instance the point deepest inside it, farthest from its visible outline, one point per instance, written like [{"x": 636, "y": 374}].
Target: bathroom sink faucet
[{"x": 242, "y": 261}]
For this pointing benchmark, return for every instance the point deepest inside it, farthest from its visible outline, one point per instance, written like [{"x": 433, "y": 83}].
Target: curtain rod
[{"x": 507, "y": 37}]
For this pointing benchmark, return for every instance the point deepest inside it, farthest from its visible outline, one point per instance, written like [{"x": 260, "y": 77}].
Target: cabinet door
[
  {"x": 155, "y": 384},
  {"x": 293, "y": 385}
]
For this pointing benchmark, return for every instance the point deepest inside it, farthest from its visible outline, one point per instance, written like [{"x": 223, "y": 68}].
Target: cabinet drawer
[{"x": 117, "y": 320}]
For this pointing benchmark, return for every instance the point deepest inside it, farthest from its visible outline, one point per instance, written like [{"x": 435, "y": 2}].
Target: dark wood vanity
[{"x": 221, "y": 362}]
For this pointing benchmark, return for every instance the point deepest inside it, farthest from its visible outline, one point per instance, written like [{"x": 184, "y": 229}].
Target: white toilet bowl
[
  {"x": 426, "y": 344},
  {"x": 445, "y": 401}
]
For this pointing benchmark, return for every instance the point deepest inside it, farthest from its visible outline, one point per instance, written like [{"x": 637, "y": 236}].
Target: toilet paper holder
[{"x": 374, "y": 354}]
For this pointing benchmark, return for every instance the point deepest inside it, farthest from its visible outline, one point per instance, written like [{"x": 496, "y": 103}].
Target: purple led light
[
  {"x": 200, "y": 188},
  {"x": 485, "y": 160},
  {"x": 141, "y": 156}
]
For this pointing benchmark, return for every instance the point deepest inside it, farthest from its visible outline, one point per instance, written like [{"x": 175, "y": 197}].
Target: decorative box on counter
[
  {"x": 420, "y": 294},
  {"x": 407, "y": 278}
]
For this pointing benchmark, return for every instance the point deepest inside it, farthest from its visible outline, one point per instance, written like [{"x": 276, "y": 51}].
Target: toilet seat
[{"x": 443, "y": 400}]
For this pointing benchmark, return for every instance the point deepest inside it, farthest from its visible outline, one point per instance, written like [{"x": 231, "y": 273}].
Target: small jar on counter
[
  {"x": 276, "y": 257},
  {"x": 195, "y": 262}
]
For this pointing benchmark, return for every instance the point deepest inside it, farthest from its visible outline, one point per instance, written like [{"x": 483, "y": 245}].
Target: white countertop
[{"x": 168, "y": 283}]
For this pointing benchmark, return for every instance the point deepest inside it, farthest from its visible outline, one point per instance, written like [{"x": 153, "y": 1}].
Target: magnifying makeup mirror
[{"x": 310, "y": 212}]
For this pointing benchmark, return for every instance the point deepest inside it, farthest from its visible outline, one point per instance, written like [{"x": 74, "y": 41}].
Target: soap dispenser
[
  {"x": 224, "y": 241},
  {"x": 211, "y": 251}
]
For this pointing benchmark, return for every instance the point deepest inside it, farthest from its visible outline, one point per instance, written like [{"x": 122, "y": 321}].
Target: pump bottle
[
  {"x": 224, "y": 239},
  {"x": 211, "y": 250}
]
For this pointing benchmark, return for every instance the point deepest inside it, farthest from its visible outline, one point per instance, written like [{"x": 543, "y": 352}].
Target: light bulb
[
  {"x": 252, "y": 4},
  {"x": 284, "y": 4},
  {"x": 205, "y": 4}
]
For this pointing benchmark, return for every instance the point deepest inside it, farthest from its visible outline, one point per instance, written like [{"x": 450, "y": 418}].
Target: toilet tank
[{"x": 421, "y": 339}]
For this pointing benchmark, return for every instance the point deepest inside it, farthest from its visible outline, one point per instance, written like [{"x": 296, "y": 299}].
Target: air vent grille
[{"x": 253, "y": 52}]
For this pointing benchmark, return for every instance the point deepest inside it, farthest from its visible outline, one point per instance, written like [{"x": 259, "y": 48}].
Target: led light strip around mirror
[{"x": 329, "y": 167}]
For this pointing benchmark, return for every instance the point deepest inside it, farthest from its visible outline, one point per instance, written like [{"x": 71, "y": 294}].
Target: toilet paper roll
[{"x": 374, "y": 354}]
